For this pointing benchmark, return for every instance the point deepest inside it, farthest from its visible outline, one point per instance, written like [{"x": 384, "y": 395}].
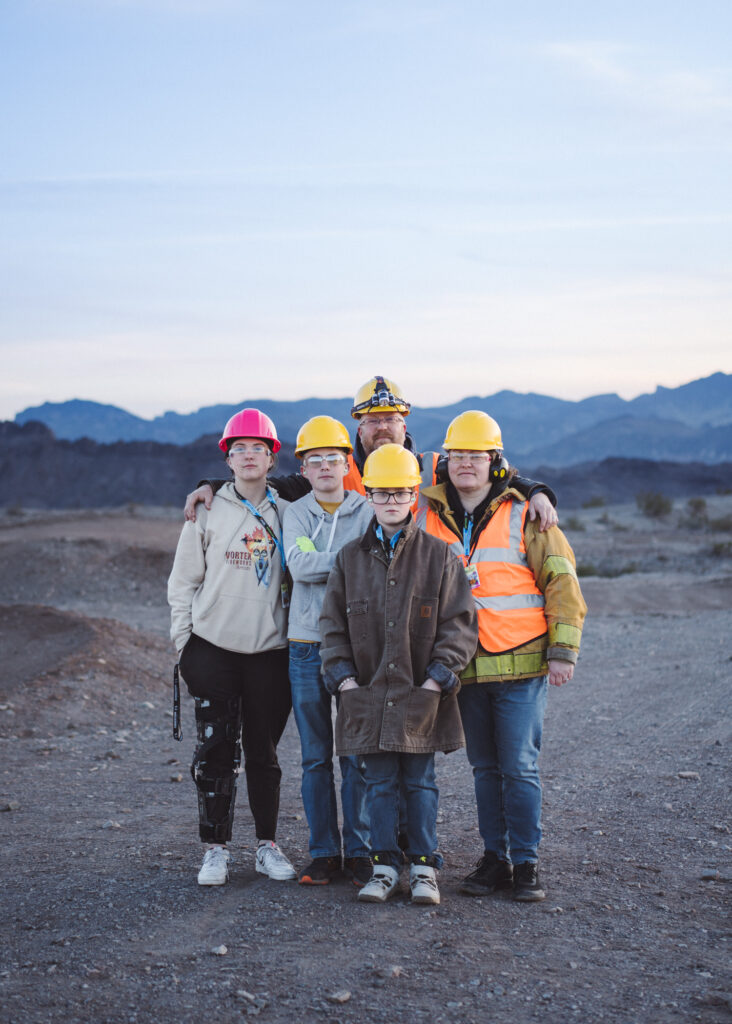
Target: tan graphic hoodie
[{"x": 227, "y": 575}]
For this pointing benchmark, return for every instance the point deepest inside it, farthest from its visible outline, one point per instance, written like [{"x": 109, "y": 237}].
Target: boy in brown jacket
[{"x": 398, "y": 625}]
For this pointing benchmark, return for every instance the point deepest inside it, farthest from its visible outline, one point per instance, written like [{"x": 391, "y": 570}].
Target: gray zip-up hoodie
[{"x": 310, "y": 569}]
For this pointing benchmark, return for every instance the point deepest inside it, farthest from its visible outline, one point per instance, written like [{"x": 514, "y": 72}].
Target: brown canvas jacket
[{"x": 392, "y": 624}]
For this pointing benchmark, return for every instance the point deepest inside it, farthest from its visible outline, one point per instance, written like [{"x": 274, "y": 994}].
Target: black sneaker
[
  {"x": 526, "y": 885},
  {"x": 490, "y": 874},
  {"x": 320, "y": 871},
  {"x": 358, "y": 869}
]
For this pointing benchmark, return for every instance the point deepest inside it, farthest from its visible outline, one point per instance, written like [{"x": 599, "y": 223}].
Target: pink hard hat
[{"x": 250, "y": 423}]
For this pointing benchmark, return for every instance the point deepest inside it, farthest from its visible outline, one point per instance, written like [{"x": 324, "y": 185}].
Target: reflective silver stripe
[
  {"x": 498, "y": 555},
  {"x": 420, "y": 517},
  {"x": 516, "y": 528},
  {"x": 456, "y": 548},
  {"x": 428, "y": 469},
  {"x": 503, "y": 603}
]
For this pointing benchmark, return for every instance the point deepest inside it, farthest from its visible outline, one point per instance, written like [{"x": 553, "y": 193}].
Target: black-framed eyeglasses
[{"x": 384, "y": 497}]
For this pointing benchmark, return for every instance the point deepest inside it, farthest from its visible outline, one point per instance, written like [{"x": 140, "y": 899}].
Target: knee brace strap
[{"x": 218, "y": 723}]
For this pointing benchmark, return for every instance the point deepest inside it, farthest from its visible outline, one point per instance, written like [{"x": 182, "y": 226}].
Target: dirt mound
[
  {"x": 61, "y": 668},
  {"x": 35, "y": 638}
]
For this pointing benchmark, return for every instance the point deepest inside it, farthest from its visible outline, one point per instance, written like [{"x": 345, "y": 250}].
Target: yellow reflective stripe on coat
[
  {"x": 561, "y": 633},
  {"x": 495, "y": 665},
  {"x": 557, "y": 565}
]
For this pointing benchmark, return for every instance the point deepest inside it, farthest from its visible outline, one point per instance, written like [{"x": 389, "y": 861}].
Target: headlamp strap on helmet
[{"x": 382, "y": 395}]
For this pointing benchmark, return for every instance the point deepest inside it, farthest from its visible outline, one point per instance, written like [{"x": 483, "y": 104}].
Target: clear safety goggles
[
  {"x": 477, "y": 457},
  {"x": 332, "y": 459}
]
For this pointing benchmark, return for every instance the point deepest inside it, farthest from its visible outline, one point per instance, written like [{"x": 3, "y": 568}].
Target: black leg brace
[{"x": 215, "y": 766}]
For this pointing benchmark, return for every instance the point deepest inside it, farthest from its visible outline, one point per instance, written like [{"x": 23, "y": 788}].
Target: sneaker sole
[
  {"x": 369, "y": 898},
  {"x": 530, "y": 897},
  {"x": 274, "y": 877},
  {"x": 355, "y": 881},
  {"x": 222, "y": 882},
  {"x": 474, "y": 889},
  {"x": 425, "y": 900}
]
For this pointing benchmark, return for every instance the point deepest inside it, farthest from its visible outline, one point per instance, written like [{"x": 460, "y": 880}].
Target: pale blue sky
[{"x": 206, "y": 201}]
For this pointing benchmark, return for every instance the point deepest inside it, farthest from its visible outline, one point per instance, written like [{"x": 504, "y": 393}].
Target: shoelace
[{"x": 425, "y": 880}]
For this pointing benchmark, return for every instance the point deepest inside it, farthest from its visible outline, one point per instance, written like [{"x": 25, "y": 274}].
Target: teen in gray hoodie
[{"x": 315, "y": 528}]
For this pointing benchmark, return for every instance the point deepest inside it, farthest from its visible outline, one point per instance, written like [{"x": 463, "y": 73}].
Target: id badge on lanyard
[
  {"x": 285, "y": 594},
  {"x": 471, "y": 571}
]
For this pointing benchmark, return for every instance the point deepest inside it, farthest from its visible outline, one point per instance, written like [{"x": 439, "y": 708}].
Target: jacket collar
[
  {"x": 369, "y": 537},
  {"x": 359, "y": 455},
  {"x": 445, "y": 501},
  {"x": 349, "y": 504}
]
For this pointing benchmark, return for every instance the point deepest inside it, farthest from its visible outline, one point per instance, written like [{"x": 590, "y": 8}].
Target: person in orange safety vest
[{"x": 530, "y": 615}]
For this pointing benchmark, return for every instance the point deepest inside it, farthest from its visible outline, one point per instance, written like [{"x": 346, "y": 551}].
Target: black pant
[{"x": 262, "y": 684}]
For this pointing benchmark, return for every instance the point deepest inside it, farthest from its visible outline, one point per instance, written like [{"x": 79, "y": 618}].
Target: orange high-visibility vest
[
  {"x": 510, "y": 605},
  {"x": 352, "y": 480}
]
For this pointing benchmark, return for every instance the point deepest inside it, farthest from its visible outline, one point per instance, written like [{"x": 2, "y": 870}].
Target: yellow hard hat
[
  {"x": 473, "y": 431},
  {"x": 391, "y": 466},
  {"x": 379, "y": 395},
  {"x": 322, "y": 432}
]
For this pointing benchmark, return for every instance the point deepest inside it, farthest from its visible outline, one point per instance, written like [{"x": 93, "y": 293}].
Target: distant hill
[
  {"x": 689, "y": 423},
  {"x": 39, "y": 471}
]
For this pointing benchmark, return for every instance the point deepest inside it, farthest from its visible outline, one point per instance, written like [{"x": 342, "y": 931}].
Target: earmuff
[{"x": 499, "y": 469}]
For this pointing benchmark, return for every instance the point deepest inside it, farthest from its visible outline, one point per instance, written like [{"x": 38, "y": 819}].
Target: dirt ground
[{"x": 102, "y": 919}]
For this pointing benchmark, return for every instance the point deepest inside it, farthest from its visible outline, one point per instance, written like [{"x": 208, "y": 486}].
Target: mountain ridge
[{"x": 693, "y": 421}]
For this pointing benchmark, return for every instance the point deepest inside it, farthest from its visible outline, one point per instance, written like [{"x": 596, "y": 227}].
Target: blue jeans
[
  {"x": 503, "y": 724},
  {"x": 386, "y": 774},
  {"x": 312, "y": 707}
]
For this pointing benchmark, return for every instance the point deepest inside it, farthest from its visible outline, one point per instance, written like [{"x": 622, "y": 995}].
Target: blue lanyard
[
  {"x": 467, "y": 533},
  {"x": 260, "y": 518},
  {"x": 392, "y": 540}
]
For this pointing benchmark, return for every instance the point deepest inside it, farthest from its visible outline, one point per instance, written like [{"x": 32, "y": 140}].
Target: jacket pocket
[
  {"x": 422, "y": 708},
  {"x": 423, "y": 617},
  {"x": 357, "y": 612},
  {"x": 357, "y": 714}
]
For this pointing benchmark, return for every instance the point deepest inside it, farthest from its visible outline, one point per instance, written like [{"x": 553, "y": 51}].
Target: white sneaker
[
  {"x": 215, "y": 867},
  {"x": 423, "y": 884},
  {"x": 271, "y": 861},
  {"x": 380, "y": 886}
]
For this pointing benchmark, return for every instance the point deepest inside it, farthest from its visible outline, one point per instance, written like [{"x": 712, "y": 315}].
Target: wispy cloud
[{"x": 635, "y": 76}]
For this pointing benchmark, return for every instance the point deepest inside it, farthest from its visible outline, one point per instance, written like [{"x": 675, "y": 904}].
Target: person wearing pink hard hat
[{"x": 229, "y": 593}]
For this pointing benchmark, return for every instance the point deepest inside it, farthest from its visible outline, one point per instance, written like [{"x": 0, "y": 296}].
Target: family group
[{"x": 432, "y": 596}]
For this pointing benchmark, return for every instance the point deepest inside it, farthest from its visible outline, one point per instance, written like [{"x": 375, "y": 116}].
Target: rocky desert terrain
[{"x": 102, "y": 918}]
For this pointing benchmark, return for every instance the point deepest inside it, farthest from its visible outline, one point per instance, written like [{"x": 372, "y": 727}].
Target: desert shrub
[
  {"x": 653, "y": 504},
  {"x": 587, "y": 569},
  {"x": 573, "y": 523},
  {"x": 723, "y": 523},
  {"x": 596, "y": 501},
  {"x": 14, "y": 510},
  {"x": 624, "y": 570},
  {"x": 722, "y": 549},
  {"x": 697, "y": 508}
]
